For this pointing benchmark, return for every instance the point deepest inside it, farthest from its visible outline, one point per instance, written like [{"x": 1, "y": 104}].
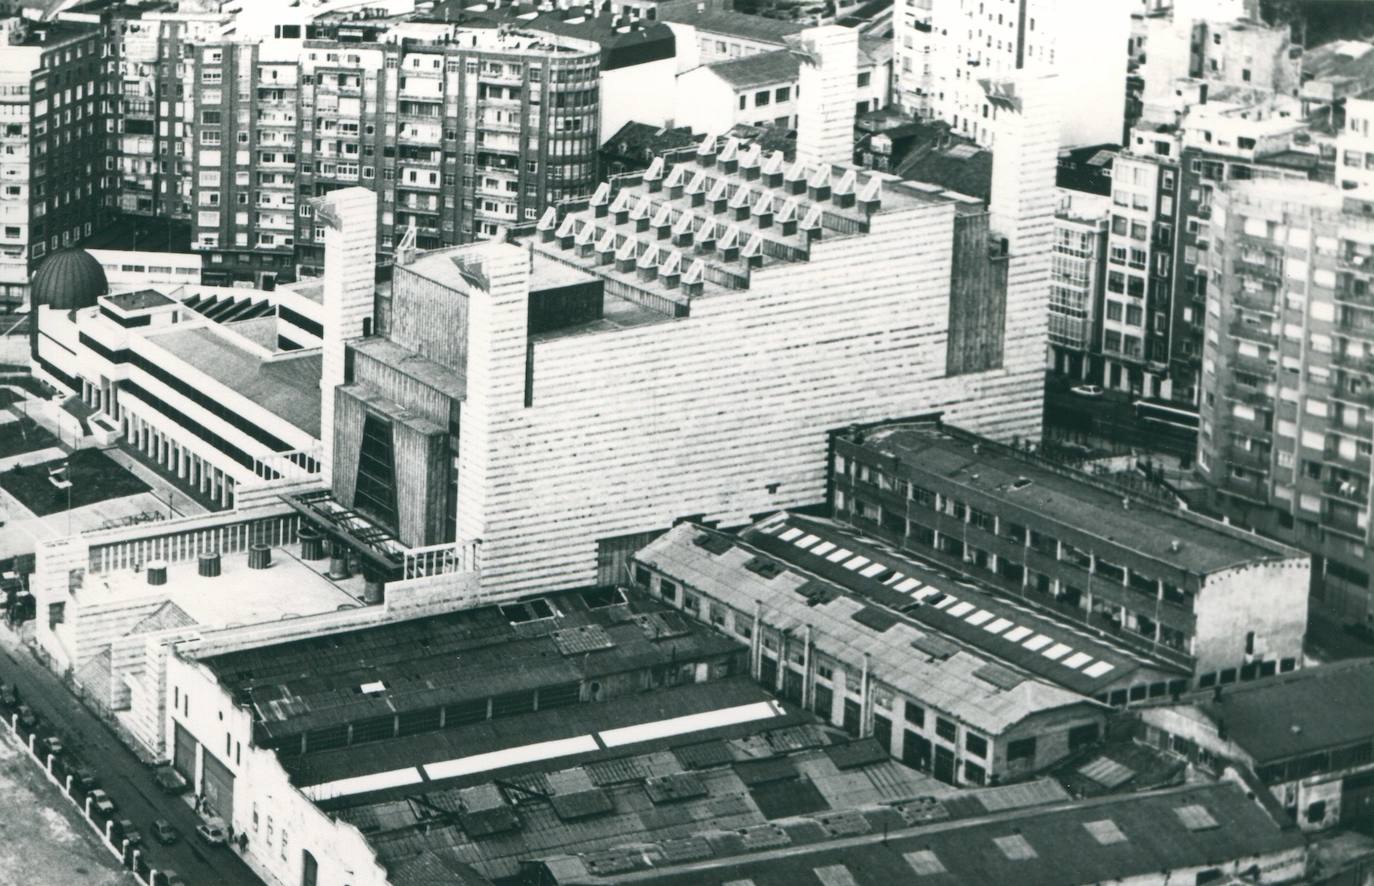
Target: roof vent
[
  {"x": 1125, "y": 504},
  {"x": 1295, "y": 728},
  {"x": 1175, "y": 546},
  {"x": 157, "y": 572},
  {"x": 1020, "y": 483},
  {"x": 209, "y": 564}
]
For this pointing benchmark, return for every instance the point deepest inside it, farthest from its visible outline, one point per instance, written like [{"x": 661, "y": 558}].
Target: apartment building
[
  {"x": 1285, "y": 433},
  {"x": 1224, "y": 604},
  {"x": 945, "y": 49},
  {"x": 459, "y": 131},
  {"x": 1226, "y": 52},
  {"x": 1355, "y": 145},
  {"x": 54, "y": 109},
  {"x": 1077, "y": 276}
]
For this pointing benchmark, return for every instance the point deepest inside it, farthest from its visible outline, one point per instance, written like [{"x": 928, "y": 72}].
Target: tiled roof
[{"x": 761, "y": 69}]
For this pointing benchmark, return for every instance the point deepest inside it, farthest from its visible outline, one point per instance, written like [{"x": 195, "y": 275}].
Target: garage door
[
  {"x": 219, "y": 787},
  {"x": 184, "y": 754}
]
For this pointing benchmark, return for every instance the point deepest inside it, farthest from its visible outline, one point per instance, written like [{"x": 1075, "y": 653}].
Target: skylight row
[{"x": 1005, "y": 628}]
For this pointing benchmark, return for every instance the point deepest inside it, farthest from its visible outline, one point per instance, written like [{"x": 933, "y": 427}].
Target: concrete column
[{"x": 226, "y": 491}]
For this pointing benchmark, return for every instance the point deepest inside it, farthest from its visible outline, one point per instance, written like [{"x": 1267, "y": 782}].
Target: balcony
[
  {"x": 1346, "y": 490},
  {"x": 1256, "y": 301},
  {"x": 1258, "y": 270},
  {"x": 1253, "y": 365},
  {"x": 1355, "y": 260},
  {"x": 1354, "y": 290},
  {"x": 1356, "y": 362},
  {"x": 1338, "y": 520},
  {"x": 1364, "y": 396},
  {"x": 1254, "y": 489},
  {"x": 1249, "y": 457},
  {"x": 1261, "y": 334},
  {"x": 1250, "y": 396}
]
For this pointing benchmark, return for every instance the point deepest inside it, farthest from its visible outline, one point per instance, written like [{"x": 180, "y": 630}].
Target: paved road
[{"x": 123, "y": 776}]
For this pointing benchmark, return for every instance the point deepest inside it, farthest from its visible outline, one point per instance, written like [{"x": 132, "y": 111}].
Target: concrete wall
[
  {"x": 1268, "y": 599},
  {"x": 729, "y": 417},
  {"x": 705, "y": 102},
  {"x": 637, "y": 92},
  {"x": 280, "y": 822}
]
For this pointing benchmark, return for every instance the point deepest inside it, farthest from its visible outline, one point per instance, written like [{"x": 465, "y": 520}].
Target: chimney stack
[{"x": 828, "y": 86}]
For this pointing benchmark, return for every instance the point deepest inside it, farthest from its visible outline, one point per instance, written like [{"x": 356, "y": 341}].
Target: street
[{"x": 124, "y": 777}]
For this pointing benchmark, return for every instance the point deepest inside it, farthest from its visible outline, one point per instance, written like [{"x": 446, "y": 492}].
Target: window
[
  {"x": 1023, "y": 749},
  {"x": 782, "y": 94},
  {"x": 762, "y": 97},
  {"x": 975, "y": 744},
  {"x": 865, "y": 78},
  {"x": 947, "y": 730},
  {"x": 915, "y": 714}
]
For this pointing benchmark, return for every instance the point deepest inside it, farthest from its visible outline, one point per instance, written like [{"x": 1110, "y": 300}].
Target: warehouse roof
[
  {"x": 1093, "y": 841},
  {"x": 1301, "y": 712},
  {"x": 539, "y": 642},
  {"x": 1187, "y": 541},
  {"x": 761, "y": 69},
  {"x": 933, "y": 667}
]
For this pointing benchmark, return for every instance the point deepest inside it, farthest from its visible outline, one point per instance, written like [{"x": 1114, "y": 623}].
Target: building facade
[
  {"x": 944, "y": 49},
  {"x": 1222, "y": 603},
  {"x": 1284, "y": 441},
  {"x": 1078, "y": 275}
]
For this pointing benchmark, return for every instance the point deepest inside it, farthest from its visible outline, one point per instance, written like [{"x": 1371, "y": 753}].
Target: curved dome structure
[{"x": 68, "y": 280}]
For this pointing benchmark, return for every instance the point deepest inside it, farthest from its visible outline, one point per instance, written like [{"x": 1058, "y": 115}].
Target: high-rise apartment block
[
  {"x": 1286, "y": 420},
  {"x": 944, "y": 49},
  {"x": 54, "y": 112}
]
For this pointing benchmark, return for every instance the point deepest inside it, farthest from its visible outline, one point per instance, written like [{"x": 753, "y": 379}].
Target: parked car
[
  {"x": 1087, "y": 390},
  {"x": 85, "y": 778},
  {"x": 169, "y": 781},
  {"x": 27, "y": 719},
  {"x": 8, "y": 697},
  {"x": 124, "y": 830},
  {"x": 52, "y": 744},
  {"x": 169, "y": 877},
  {"x": 164, "y": 833},
  {"x": 212, "y": 832},
  {"x": 101, "y": 802}
]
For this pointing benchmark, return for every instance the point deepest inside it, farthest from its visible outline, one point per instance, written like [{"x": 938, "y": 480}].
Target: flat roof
[
  {"x": 736, "y": 24},
  {"x": 925, "y": 665},
  {"x": 1093, "y": 841},
  {"x": 140, "y": 300},
  {"x": 1204, "y": 546},
  {"x": 1301, "y": 712},
  {"x": 452, "y": 266},
  {"x": 449, "y": 382},
  {"x": 238, "y": 595},
  {"x": 545, "y": 641},
  {"x": 287, "y": 386}
]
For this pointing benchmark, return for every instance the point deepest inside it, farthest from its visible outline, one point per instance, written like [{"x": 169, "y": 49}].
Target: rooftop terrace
[{"x": 1189, "y": 542}]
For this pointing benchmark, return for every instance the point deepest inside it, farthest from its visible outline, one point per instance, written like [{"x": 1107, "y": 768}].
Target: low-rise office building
[
  {"x": 1307, "y": 736},
  {"x": 1224, "y": 603},
  {"x": 946, "y": 677}
]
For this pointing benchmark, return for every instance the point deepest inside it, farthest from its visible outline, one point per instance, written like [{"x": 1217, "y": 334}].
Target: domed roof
[{"x": 68, "y": 279}]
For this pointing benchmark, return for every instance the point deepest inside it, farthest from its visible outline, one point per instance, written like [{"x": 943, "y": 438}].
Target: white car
[{"x": 1087, "y": 390}]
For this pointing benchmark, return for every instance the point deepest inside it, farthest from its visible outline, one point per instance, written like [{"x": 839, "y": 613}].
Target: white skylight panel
[
  {"x": 791, "y": 534},
  {"x": 1077, "y": 660},
  {"x": 872, "y": 569},
  {"x": 373, "y": 687},
  {"x": 1038, "y": 642},
  {"x": 362, "y": 784},
  {"x": 1017, "y": 634},
  {"x": 806, "y": 541},
  {"x": 529, "y": 753},
  {"x": 907, "y": 586},
  {"x": 948, "y": 601},
  {"x": 823, "y": 548},
  {"x": 857, "y": 562},
  {"x": 841, "y": 554},
  {"x": 923, "y": 593},
  {"x": 894, "y": 578},
  {"x": 959, "y": 610},
  {"x": 1098, "y": 669},
  {"x": 998, "y": 626},
  {"x": 747, "y": 713},
  {"x": 1057, "y": 651},
  {"x": 979, "y": 617}
]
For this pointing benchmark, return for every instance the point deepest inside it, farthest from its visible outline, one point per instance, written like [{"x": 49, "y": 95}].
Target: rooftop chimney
[{"x": 827, "y": 87}]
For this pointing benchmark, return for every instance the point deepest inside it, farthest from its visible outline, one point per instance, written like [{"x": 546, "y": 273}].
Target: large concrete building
[
  {"x": 1285, "y": 439},
  {"x": 1223, "y": 603},
  {"x": 544, "y": 346}
]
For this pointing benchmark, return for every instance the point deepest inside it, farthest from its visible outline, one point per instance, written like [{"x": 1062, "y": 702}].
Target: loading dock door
[
  {"x": 219, "y": 787},
  {"x": 184, "y": 754}
]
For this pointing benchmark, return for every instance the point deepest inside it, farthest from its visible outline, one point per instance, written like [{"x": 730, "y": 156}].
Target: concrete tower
[
  {"x": 827, "y": 86},
  {"x": 349, "y": 217}
]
